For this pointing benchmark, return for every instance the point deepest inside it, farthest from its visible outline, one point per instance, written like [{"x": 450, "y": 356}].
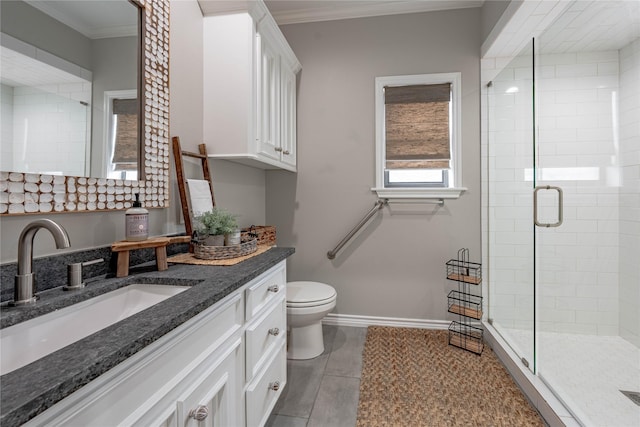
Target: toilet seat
[
  {"x": 312, "y": 303},
  {"x": 309, "y": 294}
]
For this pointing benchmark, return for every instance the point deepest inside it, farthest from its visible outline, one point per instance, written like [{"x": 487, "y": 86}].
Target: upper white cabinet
[{"x": 249, "y": 88}]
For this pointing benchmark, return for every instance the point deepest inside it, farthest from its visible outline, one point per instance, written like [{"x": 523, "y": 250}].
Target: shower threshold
[{"x": 541, "y": 397}]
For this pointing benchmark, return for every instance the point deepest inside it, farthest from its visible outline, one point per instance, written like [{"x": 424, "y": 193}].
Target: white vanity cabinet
[
  {"x": 249, "y": 90},
  {"x": 224, "y": 367}
]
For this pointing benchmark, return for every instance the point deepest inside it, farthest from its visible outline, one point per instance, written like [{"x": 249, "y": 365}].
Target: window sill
[{"x": 419, "y": 193}]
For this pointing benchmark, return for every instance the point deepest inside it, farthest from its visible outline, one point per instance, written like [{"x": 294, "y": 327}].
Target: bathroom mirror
[
  {"x": 53, "y": 122},
  {"x": 138, "y": 93}
]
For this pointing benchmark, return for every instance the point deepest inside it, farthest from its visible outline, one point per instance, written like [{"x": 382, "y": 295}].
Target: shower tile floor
[{"x": 587, "y": 372}]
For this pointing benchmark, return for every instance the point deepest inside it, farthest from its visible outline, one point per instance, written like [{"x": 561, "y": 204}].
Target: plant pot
[
  {"x": 217, "y": 240},
  {"x": 231, "y": 239}
]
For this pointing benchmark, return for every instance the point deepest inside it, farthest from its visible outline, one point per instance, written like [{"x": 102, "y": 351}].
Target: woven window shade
[
  {"x": 125, "y": 152},
  {"x": 417, "y": 126}
]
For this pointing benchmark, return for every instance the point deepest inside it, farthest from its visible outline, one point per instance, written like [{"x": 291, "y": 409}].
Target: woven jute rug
[{"x": 412, "y": 377}]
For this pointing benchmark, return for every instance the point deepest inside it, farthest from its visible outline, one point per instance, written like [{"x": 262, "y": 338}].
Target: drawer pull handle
[
  {"x": 200, "y": 413},
  {"x": 286, "y": 152},
  {"x": 278, "y": 148},
  {"x": 275, "y": 386},
  {"x": 273, "y": 288},
  {"x": 274, "y": 331}
]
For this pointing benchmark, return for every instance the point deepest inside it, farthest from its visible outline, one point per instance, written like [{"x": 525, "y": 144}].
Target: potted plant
[{"x": 213, "y": 226}]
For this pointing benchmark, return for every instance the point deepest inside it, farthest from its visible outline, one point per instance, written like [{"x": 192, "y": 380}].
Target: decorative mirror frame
[{"x": 32, "y": 193}]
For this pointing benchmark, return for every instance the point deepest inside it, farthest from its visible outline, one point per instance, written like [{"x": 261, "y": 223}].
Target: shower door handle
[{"x": 535, "y": 206}]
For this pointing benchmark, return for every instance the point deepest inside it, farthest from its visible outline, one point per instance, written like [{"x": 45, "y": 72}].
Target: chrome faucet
[{"x": 24, "y": 289}]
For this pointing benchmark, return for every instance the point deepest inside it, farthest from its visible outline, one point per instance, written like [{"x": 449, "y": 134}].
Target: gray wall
[
  {"x": 238, "y": 188},
  {"x": 30, "y": 25},
  {"x": 490, "y": 12},
  {"x": 396, "y": 266}
]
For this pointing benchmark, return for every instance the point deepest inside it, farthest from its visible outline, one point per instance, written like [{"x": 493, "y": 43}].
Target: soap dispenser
[{"x": 137, "y": 222}]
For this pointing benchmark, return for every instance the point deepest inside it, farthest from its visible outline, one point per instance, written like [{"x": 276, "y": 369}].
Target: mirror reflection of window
[{"x": 122, "y": 116}]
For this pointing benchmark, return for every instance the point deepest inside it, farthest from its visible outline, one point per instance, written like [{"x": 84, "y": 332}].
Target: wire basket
[
  {"x": 466, "y": 337},
  {"x": 464, "y": 271},
  {"x": 464, "y": 304}
]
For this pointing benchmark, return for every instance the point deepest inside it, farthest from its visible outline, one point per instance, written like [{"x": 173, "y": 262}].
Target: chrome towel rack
[{"x": 379, "y": 204}]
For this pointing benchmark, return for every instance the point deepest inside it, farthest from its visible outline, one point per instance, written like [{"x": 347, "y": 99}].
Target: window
[
  {"x": 417, "y": 136},
  {"x": 121, "y": 115}
]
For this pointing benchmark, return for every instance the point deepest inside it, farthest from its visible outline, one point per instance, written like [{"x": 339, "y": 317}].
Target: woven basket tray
[
  {"x": 225, "y": 252},
  {"x": 265, "y": 234}
]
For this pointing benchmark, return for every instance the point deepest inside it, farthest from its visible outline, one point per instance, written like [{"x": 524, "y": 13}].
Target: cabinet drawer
[
  {"x": 263, "y": 393},
  {"x": 263, "y": 336},
  {"x": 266, "y": 289}
]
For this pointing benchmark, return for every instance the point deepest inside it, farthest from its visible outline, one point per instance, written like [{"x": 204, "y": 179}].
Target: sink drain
[{"x": 633, "y": 395}]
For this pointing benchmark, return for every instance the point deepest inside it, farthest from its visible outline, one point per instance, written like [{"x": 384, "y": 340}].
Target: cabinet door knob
[
  {"x": 199, "y": 413},
  {"x": 273, "y": 288},
  {"x": 286, "y": 152},
  {"x": 278, "y": 148},
  {"x": 275, "y": 386},
  {"x": 274, "y": 331}
]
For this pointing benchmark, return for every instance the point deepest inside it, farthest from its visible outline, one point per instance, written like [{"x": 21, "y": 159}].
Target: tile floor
[{"x": 324, "y": 391}]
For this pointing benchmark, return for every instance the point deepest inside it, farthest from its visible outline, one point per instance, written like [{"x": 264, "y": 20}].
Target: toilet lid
[{"x": 308, "y": 292}]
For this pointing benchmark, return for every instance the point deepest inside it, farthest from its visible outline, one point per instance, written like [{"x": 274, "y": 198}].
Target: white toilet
[{"x": 307, "y": 304}]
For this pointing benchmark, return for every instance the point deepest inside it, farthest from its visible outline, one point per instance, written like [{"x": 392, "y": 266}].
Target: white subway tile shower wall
[
  {"x": 576, "y": 97},
  {"x": 37, "y": 114}
]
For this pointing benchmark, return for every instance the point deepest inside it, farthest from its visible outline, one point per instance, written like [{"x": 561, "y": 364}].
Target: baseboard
[{"x": 364, "y": 321}]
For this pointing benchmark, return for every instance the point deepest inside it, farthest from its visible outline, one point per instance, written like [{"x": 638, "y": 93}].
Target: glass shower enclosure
[{"x": 563, "y": 210}]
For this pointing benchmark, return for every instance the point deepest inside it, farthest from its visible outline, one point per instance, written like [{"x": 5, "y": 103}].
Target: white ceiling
[
  {"x": 94, "y": 19},
  {"x": 587, "y": 25},
  {"x": 299, "y": 11},
  {"x": 113, "y": 18},
  {"x": 20, "y": 70},
  {"x": 591, "y": 26}
]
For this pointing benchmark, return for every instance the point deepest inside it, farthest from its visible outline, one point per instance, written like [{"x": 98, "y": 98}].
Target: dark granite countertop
[{"x": 30, "y": 390}]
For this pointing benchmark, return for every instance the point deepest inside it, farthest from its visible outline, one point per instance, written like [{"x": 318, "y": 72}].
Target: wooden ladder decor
[{"x": 178, "y": 154}]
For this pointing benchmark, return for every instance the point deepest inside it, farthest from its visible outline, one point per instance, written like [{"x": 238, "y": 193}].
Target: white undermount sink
[{"x": 28, "y": 341}]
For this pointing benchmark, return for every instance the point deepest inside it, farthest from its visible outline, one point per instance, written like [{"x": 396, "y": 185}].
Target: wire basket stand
[{"x": 465, "y": 332}]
